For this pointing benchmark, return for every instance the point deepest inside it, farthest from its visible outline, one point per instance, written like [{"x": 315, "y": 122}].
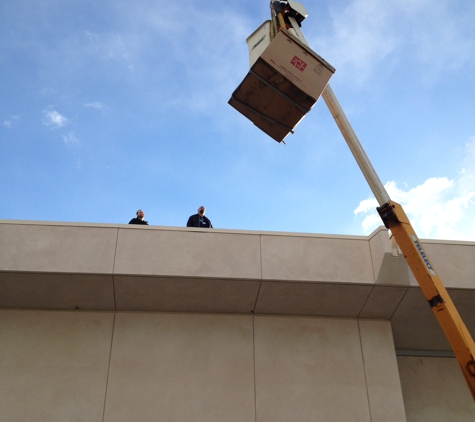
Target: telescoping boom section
[{"x": 433, "y": 289}]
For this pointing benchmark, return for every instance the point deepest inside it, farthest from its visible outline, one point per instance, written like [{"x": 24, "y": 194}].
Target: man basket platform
[{"x": 285, "y": 81}]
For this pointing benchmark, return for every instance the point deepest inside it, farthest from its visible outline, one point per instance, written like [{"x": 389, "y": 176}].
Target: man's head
[
  {"x": 140, "y": 215},
  {"x": 201, "y": 210}
]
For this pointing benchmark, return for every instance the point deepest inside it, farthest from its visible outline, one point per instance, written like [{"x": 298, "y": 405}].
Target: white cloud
[
  {"x": 97, "y": 105},
  {"x": 8, "y": 123},
  {"x": 361, "y": 37},
  {"x": 112, "y": 46},
  {"x": 366, "y": 33},
  {"x": 53, "y": 118},
  {"x": 439, "y": 208},
  {"x": 206, "y": 64},
  {"x": 47, "y": 92},
  {"x": 70, "y": 139}
]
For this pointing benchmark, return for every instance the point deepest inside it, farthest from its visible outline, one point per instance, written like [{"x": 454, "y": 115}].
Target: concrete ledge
[
  {"x": 56, "y": 291},
  {"x": 316, "y": 259},
  {"x": 165, "y": 294},
  {"x": 44, "y": 248},
  {"x": 192, "y": 253},
  {"x": 47, "y": 265}
]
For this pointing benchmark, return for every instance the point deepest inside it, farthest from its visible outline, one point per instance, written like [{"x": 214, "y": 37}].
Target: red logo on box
[{"x": 298, "y": 63}]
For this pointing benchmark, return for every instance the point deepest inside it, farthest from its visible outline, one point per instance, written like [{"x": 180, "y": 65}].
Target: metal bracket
[
  {"x": 387, "y": 214},
  {"x": 435, "y": 301},
  {"x": 471, "y": 368}
]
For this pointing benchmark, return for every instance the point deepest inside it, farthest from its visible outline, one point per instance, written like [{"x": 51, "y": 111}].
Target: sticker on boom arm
[{"x": 423, "y": 255}]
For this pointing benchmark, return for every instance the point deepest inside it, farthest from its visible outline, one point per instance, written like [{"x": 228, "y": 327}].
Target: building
[{"x": 103, "y": 322}]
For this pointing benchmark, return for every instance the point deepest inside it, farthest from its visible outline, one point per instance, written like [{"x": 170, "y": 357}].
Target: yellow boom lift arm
[{"x": 275, "y": 97}]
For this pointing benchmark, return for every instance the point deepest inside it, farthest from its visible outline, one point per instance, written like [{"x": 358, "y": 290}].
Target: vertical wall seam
[
  {"x": 364, "y": 372},
  {"x": 108, "y": 368},
  {"x": 254, "y": 366},
  {"x": 257, "y": 297},
  {"x": 115, "y": 251},
  {"x": 260, "y": 283},
  {"x": 371, "y": 260},
  {"x": 365, "y": 301},
  {"x": 113, "y": 270},
  {"x": 397, "y": 306},
  {"x": 260, "y": 253},
  {"x": 374, "y": 279}
]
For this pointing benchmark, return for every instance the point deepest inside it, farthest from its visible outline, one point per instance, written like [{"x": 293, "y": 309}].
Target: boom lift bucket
[{"x": 285, "y": 81}]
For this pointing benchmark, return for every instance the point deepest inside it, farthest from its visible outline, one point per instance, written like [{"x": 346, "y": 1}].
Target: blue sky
[{"x": 107, "y": 107}]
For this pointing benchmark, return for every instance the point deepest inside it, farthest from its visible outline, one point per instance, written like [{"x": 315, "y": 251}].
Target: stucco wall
[
  {"x": 118, "y": 323},
  {"x": 434, "y": 390},
  {"x": 100, "y": 366}
]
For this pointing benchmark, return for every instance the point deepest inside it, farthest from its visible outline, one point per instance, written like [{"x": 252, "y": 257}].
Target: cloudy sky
[{"x": 107, "y": 107}]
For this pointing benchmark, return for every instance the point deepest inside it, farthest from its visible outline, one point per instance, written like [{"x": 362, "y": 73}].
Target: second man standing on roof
[{"x": 199, "y": 220}]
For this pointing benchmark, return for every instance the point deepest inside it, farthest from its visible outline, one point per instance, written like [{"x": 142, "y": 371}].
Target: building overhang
[{"x": 107, "y": 267}]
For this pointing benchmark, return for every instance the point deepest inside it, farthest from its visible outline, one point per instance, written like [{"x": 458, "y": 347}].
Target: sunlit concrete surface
[
  {"x": 167, "y": 269},
  {"x": 103, "y": 322},
  {"x": 94, "y": 366},
  {"x": 434, "y": 390}
]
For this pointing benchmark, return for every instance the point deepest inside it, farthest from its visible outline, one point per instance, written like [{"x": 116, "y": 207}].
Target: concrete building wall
[
  {"x": 118, "y": 323},
  {"x": 53, "y": 365},
  {"x": 100, "y": 366},
  {"x": 434, "y": 390}
]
